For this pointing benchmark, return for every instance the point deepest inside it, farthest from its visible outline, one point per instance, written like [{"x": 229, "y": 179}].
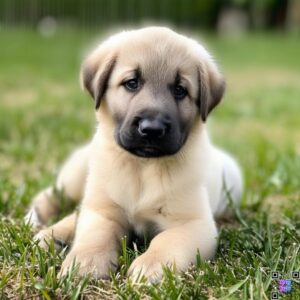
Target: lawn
[{"x": 44, "y": 115}]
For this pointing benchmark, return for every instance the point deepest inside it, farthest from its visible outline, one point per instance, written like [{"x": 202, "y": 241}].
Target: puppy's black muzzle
[{"x": 150, "y": 134}]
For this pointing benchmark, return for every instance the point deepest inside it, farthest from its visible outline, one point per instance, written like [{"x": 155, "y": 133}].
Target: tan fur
[{"x": 180, "y": 193}]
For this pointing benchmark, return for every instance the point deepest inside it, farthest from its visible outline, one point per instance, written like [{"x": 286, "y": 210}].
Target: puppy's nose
[{"x": 152, "y": 128}]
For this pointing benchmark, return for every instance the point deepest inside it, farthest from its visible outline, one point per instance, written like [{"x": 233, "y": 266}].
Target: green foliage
[
  {"x": 44, "y": 115},
  {"x": 104, "y": 12}
]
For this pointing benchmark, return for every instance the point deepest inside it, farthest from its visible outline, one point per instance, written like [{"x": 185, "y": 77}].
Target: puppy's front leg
[
  {"x": 97, "y": 241},
  {"x": 177, "y": 247}
]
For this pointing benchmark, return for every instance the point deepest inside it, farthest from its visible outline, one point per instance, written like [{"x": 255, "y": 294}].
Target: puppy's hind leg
[
  {"x": 62, "y": 233},
  {"x": 70, "y": 184},
  {"x": 232, "y": 186},
  {"x": 43, "y": 206}
]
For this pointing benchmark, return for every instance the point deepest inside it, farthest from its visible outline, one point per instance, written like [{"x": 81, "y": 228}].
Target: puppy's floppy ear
[
  {"x": 211, "y": 87},
  {"x": 95, "y": 73}
]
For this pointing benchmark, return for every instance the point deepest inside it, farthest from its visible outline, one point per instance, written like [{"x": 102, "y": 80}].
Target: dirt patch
[
  {"x": 275, "y": 204},
  {"x": 262, "y": 77},
  {"x": 17, "y": 98}
]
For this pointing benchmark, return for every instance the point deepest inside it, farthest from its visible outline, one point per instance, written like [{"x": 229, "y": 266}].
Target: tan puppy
[{"x": 150, "y": 166}]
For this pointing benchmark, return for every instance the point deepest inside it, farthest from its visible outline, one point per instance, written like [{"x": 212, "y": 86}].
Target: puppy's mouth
[
  {"x": 146, "y": 149},
  {"x": 146, "y": 152}
]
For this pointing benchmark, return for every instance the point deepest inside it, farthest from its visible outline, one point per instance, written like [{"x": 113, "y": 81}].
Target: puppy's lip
[{"x": 147, "y": 151}]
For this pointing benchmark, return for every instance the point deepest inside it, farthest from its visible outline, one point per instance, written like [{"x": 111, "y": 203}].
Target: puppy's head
[{"x": 155, "y": 84}]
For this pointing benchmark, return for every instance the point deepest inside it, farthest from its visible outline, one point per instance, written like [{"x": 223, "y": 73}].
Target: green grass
[{"x": 44, "y": 115}]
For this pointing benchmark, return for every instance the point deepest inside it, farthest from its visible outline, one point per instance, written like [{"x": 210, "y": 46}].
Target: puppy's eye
[
  {"x": 132, "y": 85},
  {"x": 179, "y": 92}
]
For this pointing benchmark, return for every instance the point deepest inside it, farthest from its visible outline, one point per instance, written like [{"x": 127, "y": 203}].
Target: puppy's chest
[{"x": 143, "y": 193}]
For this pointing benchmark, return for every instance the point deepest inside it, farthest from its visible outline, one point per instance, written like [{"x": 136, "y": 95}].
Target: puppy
[{"x": 150, "y": 167}]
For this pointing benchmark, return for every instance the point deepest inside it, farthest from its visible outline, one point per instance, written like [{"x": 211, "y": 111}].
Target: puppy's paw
[
  {"x": 96, "y": 264},
  {"x": 46, "y": 236},
  {"x": 32, "y": 218},
  {"x": 148, "y": 265}
]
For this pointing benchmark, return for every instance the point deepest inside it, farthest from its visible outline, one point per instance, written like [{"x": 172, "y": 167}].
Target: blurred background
[
  {"x": 44, "y": 114},
  {"x": 222, "y": 15}
]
